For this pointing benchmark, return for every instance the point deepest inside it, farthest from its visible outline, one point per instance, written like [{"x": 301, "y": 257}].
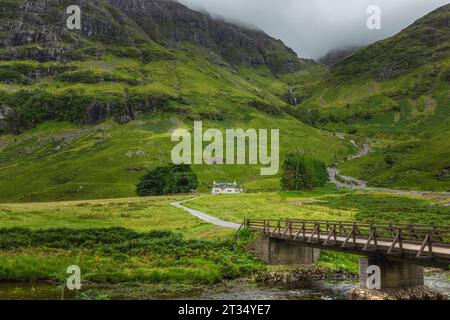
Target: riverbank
[
  {"x": 144, "y": 248},
  {"x": 266, "y": 283},
  {"x": 290, "y": 283},
  {"x": 122, "y": 264}
]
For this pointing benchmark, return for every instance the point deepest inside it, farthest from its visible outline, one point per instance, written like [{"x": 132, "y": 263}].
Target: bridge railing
[{"x": 330, "y": 232}]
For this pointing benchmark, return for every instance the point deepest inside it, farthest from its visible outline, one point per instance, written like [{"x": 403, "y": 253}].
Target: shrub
[
  {"x": 389, "y": 160},
  {"x": 263, "y": 106}
]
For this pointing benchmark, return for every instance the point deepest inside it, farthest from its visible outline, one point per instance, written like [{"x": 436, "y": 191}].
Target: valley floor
[{"x": 148, "y": 243}]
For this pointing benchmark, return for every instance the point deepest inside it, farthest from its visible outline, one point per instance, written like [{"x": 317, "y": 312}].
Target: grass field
[
  {"x": 325, "y": 204},
  {"x": 118, "y": 241},
  {"x": 137, "y": 214},
  {"x": 148, "y": 242},
  {"x": 115, "y": 242}
]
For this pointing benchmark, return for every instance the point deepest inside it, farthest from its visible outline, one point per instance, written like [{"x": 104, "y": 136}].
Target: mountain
[
  {"x": 35, "y": 45},
  {"x": 30, "y": 32},
  {"x": 396, "y": 92},
  {"x": 335, "y": 56},
  {"x": 84, "y": 114},
  {"x": 424, "y": 42}
]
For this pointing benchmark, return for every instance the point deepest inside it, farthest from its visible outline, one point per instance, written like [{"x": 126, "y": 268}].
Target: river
[{"x": 237, "y": 290}]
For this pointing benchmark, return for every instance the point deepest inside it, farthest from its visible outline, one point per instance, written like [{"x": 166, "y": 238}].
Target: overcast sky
[{"x": 314, "y": 27}]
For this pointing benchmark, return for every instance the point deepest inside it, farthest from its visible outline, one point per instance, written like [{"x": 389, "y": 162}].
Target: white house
[{"x": 226, "y": 188}]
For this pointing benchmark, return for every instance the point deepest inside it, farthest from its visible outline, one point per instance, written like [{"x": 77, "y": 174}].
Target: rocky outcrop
[
  {"x": 411, "y": 293},
  {"x": 36, "y": 30},
  {"x": 78, "y": 108},
  {"x": 303, "y": 274},
  {"x": 170, "y": 20}
]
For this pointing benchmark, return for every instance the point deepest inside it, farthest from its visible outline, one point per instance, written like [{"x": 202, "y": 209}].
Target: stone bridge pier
[
  {"x": 393, "y": 274},
  {"x": 394, "y": 253},
  {"x": 281, "y": 252}
]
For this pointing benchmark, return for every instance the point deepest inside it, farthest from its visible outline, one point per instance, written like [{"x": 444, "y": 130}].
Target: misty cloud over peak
[{"x": 314, "y": 28}]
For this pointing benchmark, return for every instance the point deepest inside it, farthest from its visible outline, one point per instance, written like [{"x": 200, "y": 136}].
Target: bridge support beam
[
  {"x": 281, "y": 252},
  {"x": 393, "y": 274}
]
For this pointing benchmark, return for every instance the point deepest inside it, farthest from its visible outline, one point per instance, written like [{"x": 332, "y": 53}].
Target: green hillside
[
  {"x": 396, "y": 92},
  {"x": 84, "y": 114},
  {"x": 89, "y": 122}
]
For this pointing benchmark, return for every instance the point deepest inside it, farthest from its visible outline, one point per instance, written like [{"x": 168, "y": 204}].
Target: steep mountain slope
[
  {"x": 395, "y": 91},
  {"x": 36, "y": 29},
  {"x": 84, "y": 114},
  {"x": 335, "y": 56},
  {"x": 149, "y": 32},
  {"x": 424, "y": 42}
]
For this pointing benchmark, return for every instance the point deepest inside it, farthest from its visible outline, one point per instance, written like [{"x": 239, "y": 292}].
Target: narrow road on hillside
[{"x": 205, "y": 217}]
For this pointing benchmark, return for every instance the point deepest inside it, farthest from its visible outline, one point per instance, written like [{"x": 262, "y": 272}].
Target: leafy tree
[
  {"x": 302, "y": 172},
  {"x": 185, "y": 180},
  {"x": 169, "y": 179}
]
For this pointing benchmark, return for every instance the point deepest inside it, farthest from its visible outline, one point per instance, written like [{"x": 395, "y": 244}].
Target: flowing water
[{"x": 321, "y": 290}]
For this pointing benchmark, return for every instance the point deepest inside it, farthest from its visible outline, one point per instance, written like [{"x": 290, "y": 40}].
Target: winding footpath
[{"x": 205, "y": 217}]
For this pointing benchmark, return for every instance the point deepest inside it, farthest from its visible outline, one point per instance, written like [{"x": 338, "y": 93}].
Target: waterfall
[{"x": 293, "y": 96}]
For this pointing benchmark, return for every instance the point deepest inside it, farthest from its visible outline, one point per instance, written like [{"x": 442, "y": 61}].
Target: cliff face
[
  {"x": 169, "y": 20},
  {"x": 130, "y": 57},
  {"x": 36, "y": 30}
]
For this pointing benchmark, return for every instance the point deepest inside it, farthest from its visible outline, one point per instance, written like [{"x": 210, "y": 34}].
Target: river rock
[
  {"x": 411, "y": 293},
  {"x": 302, "y": 274}
]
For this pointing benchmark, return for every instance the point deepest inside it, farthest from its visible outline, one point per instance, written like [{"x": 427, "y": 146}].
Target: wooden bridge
[{"x": 410, "y": 243}]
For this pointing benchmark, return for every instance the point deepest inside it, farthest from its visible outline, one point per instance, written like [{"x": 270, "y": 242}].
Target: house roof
[{"x": 225, "y": 185}]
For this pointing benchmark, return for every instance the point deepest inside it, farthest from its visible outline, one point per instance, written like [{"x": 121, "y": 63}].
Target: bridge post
[
  {"x": 280, "y": 252},
  {"x": 393, "y": 274}
]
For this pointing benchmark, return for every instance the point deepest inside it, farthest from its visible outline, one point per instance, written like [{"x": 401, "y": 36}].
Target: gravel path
[{"x": 205, "y": 217}]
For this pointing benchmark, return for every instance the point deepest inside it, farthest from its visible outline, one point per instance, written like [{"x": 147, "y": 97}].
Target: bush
[
  {"x": 301, "y": 172},
  {"x": 308, "y": 116},
  {"x": 107, "y": 254},
  {"x": 389, "y": 160},
  {"x": 263, "y": 106},
  {"x": 167, "y": 180}
]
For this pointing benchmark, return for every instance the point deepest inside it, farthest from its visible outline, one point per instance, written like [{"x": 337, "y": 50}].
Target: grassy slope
[
  {"x": 396, "y": 92},
  {"x": 413, "y": 131},
  {"x": 58, "y": 160}
]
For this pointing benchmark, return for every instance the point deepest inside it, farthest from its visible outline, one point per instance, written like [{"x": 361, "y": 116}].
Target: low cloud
[{"x": 314, "y": 28}]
